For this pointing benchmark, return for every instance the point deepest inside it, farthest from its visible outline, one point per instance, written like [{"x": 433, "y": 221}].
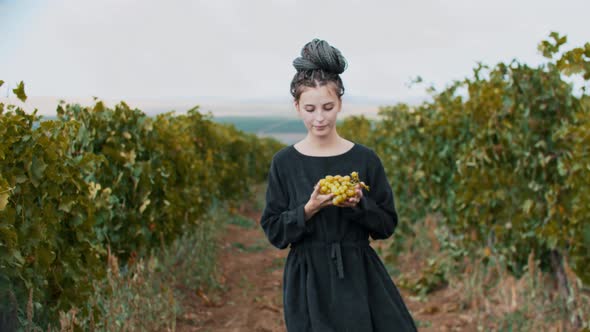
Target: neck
[{"x": 323, "y": 142}]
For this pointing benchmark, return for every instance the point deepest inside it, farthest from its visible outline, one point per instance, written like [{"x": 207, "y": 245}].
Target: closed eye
[{"x": 327, "y": 107}]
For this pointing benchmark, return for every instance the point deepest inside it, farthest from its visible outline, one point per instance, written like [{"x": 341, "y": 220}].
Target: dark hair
[{"x": 318, "y": 65}]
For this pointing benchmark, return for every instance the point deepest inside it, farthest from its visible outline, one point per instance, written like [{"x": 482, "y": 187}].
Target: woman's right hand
[{"x": 317, "y": 201}]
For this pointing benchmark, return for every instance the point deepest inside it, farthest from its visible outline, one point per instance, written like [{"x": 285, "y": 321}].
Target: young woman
[{"x": 333, "y": 280}]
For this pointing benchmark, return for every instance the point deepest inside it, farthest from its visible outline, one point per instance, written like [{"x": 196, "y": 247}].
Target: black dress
[{"x": 333, "y": 280}]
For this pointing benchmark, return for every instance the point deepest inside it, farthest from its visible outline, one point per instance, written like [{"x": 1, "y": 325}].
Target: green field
[
  {"x": 255, "y": 124},
  {"x": 264, "y": 124},
  {"x": 286, "y": 129}
]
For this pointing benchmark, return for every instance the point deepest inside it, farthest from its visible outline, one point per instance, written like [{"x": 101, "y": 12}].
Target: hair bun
[{"x": 318, "y": 54}]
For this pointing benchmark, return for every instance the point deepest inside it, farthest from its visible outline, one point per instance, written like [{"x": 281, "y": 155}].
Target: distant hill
[
  {"x": 219, "y": 107},
  {"x": 274, "y": 117}
]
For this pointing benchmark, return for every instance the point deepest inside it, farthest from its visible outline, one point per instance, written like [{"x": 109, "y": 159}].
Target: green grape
[{"x": 343, "y": 187}]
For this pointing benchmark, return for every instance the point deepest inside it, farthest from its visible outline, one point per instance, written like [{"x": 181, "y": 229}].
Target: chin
[{"x": 322, "y": 134}]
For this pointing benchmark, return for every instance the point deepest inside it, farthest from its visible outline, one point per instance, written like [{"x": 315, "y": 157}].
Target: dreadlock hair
[{"x": 319, "y": 64}]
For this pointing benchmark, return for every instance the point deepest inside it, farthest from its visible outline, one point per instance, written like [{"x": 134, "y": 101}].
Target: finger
[
  {"x": 349, "y": 202},
  {"x": 352, "y": 202},
  {"x": 326, "y": 197},
  {"x": 329, "y": 197},
  {"x": 329, "y": 202},
  {"x": 316, "y": 188}
]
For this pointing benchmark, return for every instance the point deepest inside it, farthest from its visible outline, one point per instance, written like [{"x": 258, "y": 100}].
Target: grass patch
[
  {"x": 276, "y": 264},
  {"x": 422, "y": 323},
  {"x": 482, "y": 289},
  {"x": 256, "y": 247},
  {"x": 242, "y": 221},
  {"x": 147, "y": 295}
]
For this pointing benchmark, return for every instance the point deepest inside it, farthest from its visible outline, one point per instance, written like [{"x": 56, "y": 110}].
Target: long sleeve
[
  {"x": 376, "y": 209},
  {"x": 281, "y": 225}
]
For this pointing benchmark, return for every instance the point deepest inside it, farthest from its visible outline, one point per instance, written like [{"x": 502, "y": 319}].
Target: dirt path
[{"x": 251, "y": 275}]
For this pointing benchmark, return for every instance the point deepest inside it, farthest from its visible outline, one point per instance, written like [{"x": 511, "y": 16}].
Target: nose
[{"x": 319, "y": 117}]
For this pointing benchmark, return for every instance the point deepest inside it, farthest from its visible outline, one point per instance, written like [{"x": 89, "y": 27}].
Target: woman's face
[{"x": 318, "y": 108}]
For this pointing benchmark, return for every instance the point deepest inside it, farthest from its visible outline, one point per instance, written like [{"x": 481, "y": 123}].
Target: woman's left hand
[{"x": 353, "y": 201}]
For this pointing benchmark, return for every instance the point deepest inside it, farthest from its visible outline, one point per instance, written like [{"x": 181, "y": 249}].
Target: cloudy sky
[{"x": 244, "y": 49}]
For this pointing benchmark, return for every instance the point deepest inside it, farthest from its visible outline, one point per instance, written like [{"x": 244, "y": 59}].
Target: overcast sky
[{"x": 245, "y": 49}]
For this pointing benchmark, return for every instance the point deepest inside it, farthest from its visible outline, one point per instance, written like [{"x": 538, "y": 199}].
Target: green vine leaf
[{"x": 19, "y": 91}]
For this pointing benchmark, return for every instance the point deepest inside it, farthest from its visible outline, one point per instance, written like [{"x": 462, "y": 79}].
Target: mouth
[{"x": 321, "y": 127}]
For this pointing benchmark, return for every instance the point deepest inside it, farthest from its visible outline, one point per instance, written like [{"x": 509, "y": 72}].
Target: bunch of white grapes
[{"x": 342, "y": 186}]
